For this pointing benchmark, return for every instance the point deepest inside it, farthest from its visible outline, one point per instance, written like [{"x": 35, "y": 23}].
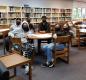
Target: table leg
[
  {"x": 30, "y": 72},
  {"x": 39, "y": 46},
  {"x": 15, "y": 71}
]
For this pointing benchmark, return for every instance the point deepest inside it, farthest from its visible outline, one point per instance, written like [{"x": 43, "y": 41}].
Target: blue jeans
[{"x": 48, "y": 50}]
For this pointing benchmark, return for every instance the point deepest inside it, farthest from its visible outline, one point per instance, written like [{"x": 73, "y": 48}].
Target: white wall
[
  {"x": 39, "y": 3},
  {"x": 79, "y": 4}
]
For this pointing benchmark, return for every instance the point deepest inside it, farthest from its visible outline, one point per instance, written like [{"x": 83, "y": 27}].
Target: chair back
[
  {"x": 63, "y": 39},
  {"x": 16, "y": 41}
]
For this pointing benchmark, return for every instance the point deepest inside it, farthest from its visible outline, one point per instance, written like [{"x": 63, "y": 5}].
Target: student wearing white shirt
[{"x": 13, "y": 29}]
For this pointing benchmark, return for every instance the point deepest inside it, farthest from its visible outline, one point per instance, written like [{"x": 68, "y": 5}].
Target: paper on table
[{"x": 41, "y": 35}]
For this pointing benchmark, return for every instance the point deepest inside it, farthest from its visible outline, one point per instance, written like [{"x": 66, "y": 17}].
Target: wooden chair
[
  {"x": 62, "y": 54},
  {"x": 80, "y": 39},
  {"x": 72, "y": 28},
  {"x": 18, "y": 41},
  {"x": 52, "y": 27}
]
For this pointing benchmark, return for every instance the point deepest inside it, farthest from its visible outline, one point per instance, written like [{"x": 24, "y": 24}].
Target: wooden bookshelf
[
  {"x": 3, "y": 15},
  {"x": 13, "y": 13},
  {"x": 26, "y": 12},
  {"x": 8, "y": 14}
]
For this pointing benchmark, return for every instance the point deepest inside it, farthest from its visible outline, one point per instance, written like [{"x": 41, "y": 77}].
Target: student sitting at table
[
  {"x": 14, "y": 27},
  {"x": 44, "y": 26},
  {"x": 49, "y": 47}
]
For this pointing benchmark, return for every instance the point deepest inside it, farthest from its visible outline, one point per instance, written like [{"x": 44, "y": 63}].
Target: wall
[
  {"x": 79, "y": 4},
  {"x": 40, "y": 3}
]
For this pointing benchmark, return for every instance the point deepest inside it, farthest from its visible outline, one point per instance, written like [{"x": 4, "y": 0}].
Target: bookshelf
[
  {"x": 47, "y": 12},
  {"x": 8, "y": 14},
  {"x": 55, "y": 15},
  {"x": 36, "y": 15},
  {"x": 26, "y": 12},
  {"x": 13, "y": 13},
  {"x": 3, "y": 15}
]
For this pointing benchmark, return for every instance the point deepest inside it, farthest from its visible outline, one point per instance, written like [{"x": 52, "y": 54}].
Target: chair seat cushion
[
  {"x": 61, "y": 52},
  {"x": 60, "y": 47}
]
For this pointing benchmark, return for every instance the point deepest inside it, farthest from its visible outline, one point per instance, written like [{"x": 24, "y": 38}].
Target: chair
[
  {"x": 62, "y": 54},
  {"x": 80, "y": 38},
  {"x": 18, "y": 42},
  {"x": 72, "y": 30},
  {"x": 52, "y": 27}
]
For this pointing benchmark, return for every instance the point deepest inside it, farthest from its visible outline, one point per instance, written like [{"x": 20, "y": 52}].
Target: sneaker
[
  {"x": 26, "y": 69},
  {"x": 50, "y": 65}
]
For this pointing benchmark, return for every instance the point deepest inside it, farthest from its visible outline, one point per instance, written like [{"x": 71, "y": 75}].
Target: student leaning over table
[{"x": 49, "y": 47}]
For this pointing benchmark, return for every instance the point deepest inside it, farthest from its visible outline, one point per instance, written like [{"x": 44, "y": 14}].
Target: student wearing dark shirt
[
  {"x": 59, "y": 31},
  {"x": 44, "y": 26}
]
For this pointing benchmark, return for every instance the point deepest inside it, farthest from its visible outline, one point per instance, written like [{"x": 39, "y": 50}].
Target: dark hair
[
  {"x": 25, "y": 27},
  {"x": 18, "y": 19},
  {"x": 28, "y": 20},
  {"x": 44, "y": 17}
]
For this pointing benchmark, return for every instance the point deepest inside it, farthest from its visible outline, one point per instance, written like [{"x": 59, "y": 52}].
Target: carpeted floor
[{"x": 76, "y": 70}]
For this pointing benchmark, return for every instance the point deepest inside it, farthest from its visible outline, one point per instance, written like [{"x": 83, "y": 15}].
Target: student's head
[
  {"x": 65, "y": 27},
  {"x": 57, "y": 27},
  {"x": 28, "y": 20},
  {"x": 25, "y": 26},
  {"x": 44, "y": 18},
  {"x": 18, "y": 21}
]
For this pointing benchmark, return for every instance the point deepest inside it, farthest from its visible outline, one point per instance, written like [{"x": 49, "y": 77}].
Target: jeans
[
  {"x": 48, "y": 51},
  {"x": 48, "y": 48}
]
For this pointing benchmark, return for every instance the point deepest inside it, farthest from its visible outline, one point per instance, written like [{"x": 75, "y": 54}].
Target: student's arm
[
  {"x": 11, "y": 27},
  {"x": 54, "y": 36}
]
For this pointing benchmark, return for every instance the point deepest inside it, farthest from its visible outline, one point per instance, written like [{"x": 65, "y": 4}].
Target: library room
[{"x": 42, "y": 39}]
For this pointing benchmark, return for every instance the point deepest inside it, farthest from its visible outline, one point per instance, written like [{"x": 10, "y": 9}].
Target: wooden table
[
  {"x": 2, "y": 30},
  {"x": 82, "y": 30},
  {"x": 83, "y": 26},
  {"x": 14, "y": 60},
  {"x": 40, "y": 37}
]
